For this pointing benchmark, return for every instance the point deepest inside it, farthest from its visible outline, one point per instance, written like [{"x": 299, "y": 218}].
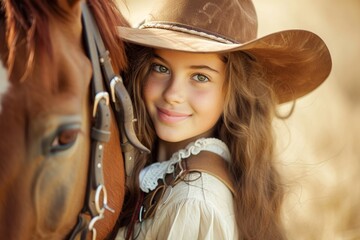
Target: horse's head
[{"x": 45, "y": 119}]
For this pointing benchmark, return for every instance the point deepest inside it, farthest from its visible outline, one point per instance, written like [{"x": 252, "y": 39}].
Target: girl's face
[{"x": 184, "y": 94}]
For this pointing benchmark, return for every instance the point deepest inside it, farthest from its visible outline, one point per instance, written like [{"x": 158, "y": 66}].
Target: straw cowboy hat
[{"x": 296, "y": 61}]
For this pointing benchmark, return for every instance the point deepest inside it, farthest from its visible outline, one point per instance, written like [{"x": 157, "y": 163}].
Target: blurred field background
[{"x": 319, "y": 146}]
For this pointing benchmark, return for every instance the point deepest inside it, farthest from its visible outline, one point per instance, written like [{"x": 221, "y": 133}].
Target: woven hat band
[{"x": 183, "y": 29}]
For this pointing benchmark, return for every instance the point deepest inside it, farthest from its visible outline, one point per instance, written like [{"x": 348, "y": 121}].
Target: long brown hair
[{"x": 245, "y": 126}]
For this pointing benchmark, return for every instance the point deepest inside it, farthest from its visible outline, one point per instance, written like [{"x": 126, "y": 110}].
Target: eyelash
[
  {"x": 200, "y": 75},
  {"x": 156, "y": 67}
]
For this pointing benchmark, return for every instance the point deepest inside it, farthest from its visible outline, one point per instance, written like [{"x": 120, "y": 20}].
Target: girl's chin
[{"x": 181, "y": 138}]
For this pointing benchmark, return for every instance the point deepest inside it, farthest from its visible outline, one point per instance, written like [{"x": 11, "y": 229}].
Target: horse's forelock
[{"x": 28, "y": 19}]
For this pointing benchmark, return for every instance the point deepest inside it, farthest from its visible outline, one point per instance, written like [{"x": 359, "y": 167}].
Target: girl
[{"x": 205, "y": 91}]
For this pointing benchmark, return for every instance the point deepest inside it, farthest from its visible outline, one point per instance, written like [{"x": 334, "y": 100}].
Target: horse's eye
[{"x": 64, "y": 138}]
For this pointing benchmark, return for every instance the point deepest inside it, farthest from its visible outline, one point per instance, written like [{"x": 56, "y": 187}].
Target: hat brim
[{"x": 296, "y": 61}]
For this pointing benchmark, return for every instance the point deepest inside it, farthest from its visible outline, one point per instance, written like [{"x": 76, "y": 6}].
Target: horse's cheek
[{"x": 55, "y": 197}]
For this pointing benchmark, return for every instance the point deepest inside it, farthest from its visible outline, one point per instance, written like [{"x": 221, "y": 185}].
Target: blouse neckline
[{"x": 150, "y": 175}]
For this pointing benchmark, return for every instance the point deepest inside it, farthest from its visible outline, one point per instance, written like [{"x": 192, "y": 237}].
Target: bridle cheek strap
[
  {"x": 96, "y": 194},
  {"x": 100, "y": 134}
]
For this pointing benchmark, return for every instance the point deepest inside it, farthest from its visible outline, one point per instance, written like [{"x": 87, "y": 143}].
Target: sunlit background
[{"x": 318, "y": 146}]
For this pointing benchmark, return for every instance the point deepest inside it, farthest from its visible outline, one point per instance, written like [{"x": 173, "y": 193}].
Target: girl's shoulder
[
  {"x": 206, "y": 181},
  {"x": 211, "y": 164},
  {"x": 200, "y": 190},
  {"x": 201, "y": 206}
]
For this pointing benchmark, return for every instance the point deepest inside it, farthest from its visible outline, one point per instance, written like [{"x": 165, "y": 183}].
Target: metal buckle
[
  {"x": 100, "y": 210},
  {"x": 99, "y": 96},
  {"x": 113, "y": 83}
]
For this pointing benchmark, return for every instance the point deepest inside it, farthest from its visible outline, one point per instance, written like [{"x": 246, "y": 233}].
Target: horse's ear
[{"x": 70, "y": 6}]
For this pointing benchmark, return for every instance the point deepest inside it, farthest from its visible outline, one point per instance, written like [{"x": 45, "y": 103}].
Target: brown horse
[{"x": 46, "y": 117}]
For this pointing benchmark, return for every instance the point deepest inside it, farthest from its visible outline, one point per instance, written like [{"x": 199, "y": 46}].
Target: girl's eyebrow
[
  {"x": 203, "y": 67},
  {"x": 192, "y": 67},
  {"x": 160, "y": 58}
]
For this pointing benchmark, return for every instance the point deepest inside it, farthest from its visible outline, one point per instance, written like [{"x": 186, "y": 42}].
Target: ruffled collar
[{"x": 150, "y": 175}]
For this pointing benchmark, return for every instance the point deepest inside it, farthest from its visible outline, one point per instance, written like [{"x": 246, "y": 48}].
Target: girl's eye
[
  {"x": 200, "y": 78},
  {"x": 160, "y": 68}
]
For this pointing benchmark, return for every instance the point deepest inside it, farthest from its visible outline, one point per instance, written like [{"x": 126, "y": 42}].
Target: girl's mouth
[{"x": 171, "y": 116}]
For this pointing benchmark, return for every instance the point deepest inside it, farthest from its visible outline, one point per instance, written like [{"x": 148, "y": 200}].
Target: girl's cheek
[
  {"x": 152, "y": 88},
  {"x": 207, "y": 99},
  {"x": 201, "y": 98}
]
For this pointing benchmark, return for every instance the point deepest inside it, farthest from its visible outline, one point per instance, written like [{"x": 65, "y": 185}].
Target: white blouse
[{"x": 199, "y": 208}]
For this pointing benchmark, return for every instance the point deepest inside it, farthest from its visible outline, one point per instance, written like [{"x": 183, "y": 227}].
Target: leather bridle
[{"x": 104, "y": 80}]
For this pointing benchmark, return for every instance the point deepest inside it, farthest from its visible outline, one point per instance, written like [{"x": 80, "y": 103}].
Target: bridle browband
[{"x": 104, "y": 80}]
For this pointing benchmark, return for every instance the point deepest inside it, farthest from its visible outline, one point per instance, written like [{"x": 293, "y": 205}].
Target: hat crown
[{"x": 233, "y": 20}]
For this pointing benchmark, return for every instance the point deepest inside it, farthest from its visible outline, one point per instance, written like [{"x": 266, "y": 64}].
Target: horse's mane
[{"x": 30, "y": 18}]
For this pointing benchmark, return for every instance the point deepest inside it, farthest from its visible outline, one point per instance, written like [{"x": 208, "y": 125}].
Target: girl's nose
[{"x": 174, "y": 93}]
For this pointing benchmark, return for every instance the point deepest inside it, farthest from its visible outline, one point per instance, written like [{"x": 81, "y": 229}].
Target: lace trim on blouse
[{"x": 150, "y": 175}]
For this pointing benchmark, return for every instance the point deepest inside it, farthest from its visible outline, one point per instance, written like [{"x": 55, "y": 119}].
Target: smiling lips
[{"x": 170, "y": 116}]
